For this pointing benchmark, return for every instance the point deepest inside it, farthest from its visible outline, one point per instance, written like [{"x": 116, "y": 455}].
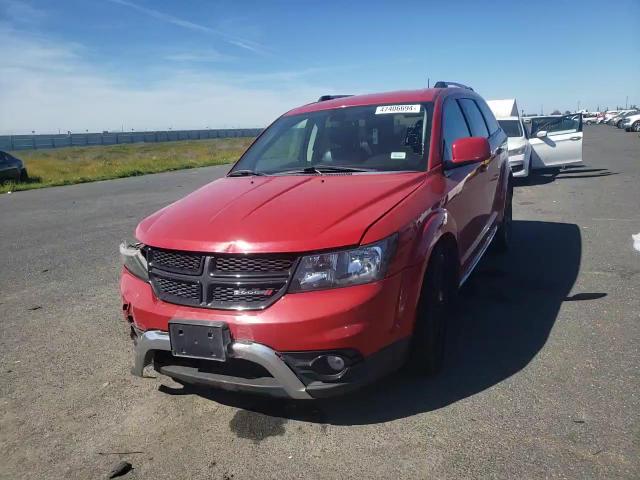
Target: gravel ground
[{"x": 542, "y": 375}]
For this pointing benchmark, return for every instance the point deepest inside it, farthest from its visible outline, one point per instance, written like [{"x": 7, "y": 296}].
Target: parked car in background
[
  {"x": 12, "y": 168},
  {"x": 613, "y": 121},
  {"x": 330, "y": 253},
  {"x": 589, "y": 118},
  {"x": 506, "y": 112},
  {"x": 608, "y": 115},
  {"x": 556, "y": 140},
  {"x": 620, "y": 122},
  {"x": 631, "y": 123}
]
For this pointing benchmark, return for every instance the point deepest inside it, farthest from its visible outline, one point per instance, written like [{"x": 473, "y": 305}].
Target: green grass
[{"x": 67, "y": 166}]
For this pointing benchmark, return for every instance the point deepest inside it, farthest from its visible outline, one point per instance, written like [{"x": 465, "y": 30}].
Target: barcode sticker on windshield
[{"x": 398, "y": 109}]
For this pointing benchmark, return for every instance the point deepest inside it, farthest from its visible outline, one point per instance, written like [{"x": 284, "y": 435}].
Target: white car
[
  {"x": 589, "y": 118},
  {"x": 518, "y": 145},
  {"x": 609, "y": 115},
  {"x": 556, "y": 141},
  {"x": 506, "y": 112},
  {"x": 632, "y": 123}
]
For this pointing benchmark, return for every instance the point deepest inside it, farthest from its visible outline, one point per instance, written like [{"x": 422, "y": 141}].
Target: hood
[
  {"x": 277, "y": 214},
  {"x": 516, "y": 142}
]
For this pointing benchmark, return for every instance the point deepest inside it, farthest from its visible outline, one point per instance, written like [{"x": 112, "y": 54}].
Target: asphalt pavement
[{"x": 541, "y": 380}]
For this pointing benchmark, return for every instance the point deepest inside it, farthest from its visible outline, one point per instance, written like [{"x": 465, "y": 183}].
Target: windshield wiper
[
  {"x": 320, "y": 169},
  {"x": 246, "y": 173}
]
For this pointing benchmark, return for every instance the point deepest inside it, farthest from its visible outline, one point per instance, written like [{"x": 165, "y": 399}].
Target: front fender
[{"x": 439, "y": 224}]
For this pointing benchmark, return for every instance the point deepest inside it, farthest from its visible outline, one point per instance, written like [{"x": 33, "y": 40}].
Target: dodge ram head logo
[{"x": 266, "y": 292}]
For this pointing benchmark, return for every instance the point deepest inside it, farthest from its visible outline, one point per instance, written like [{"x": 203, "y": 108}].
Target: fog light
[{"x": 335, "y": 363}]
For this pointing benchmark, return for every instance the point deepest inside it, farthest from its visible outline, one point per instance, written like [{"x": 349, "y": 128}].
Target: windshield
[
  {"x": 381, "y": 138},
  {"x": 511, "y": 127}
]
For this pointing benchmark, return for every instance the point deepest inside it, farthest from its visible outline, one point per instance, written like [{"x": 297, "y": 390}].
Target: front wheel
[
  {"x": 434, "y": 308},
  {"x": 636, "y": 126},
  {"x": 502, "y": 240},
  {"x": 24, "y": 176}
]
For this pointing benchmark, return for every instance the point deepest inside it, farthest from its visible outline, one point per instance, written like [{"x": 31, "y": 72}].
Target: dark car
[{"x": 12, "y": 168}]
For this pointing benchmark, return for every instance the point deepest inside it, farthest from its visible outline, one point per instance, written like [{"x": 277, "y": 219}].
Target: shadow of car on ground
[
  {"x": 548, "y": 175},
  {"x": 505, "y": 313}
]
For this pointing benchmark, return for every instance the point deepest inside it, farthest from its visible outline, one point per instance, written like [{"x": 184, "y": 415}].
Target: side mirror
[
  {"x": 541, "y": 134},
  {"x": 470, "y": 150}
]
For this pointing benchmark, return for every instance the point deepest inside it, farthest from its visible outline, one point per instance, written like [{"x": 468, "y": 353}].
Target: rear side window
[
  {"x": 556, "y": 125},
  {"x": 454, "y": 127},
  {"x": 474, "y": 117},
  {"x": 490, "y": 119}
]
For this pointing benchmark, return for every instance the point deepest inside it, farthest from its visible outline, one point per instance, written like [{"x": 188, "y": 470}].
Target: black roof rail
[
  {"x": 442, "y": 84},
  {"x": 324, "y": 98}
]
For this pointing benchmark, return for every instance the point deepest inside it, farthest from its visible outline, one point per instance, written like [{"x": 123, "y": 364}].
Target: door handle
[{"x": 575, "y": 138}]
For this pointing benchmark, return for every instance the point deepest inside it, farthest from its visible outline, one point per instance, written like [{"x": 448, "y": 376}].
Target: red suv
[{"x": 329, "y": 254}]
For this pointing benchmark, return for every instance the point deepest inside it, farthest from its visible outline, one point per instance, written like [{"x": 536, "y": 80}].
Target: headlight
[
  {"x": 134, "y": 260},
  {"x": 344, "y": 268},
  {"x": 518, "y": 151}
]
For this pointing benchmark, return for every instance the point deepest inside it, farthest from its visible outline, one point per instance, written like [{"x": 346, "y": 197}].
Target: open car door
[{"x": 556, "y": 141}]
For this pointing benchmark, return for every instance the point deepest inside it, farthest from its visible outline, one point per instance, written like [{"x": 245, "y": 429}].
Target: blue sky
[{"x": 142, "y": 64}]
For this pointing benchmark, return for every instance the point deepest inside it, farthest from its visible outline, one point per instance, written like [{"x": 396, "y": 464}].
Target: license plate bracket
[{"x": 199, "y": 339}]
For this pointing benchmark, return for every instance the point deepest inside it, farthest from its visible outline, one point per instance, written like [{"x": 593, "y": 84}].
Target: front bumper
[
  {"x": 280, "y": 378},
  {"x": 519, "y": 165},
  {"x": 283, "y": 379},
  {"x": 271, "y": 350}
]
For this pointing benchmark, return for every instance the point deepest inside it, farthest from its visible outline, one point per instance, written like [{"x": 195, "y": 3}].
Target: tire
[
  {"x": 636, "y": 126},
  {"x": 434, "y": 309},
  {"x": 502, "y": 240},
  {"x": 24, "y": 176}
]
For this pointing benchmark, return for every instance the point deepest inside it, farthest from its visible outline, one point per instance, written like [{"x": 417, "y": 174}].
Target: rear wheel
[
  {"x": 24, "y": 176},
  {"x": 636, "y": 126},
  {"x": 434, "y": 308}
]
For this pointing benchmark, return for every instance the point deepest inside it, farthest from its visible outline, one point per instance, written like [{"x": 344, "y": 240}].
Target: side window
[
  {"x": 555, "y": 125},
  {"x": 474, "y": 117},
  {"x": 454, "y": 127},
  {"x": 489, "y": 117}
]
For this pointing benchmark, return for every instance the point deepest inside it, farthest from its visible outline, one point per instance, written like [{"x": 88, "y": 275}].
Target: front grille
[
  {"x": 230, "y": 295},
  {"x": 178, "y": 262},
  {"x": 219, "y": 281},
  {"x": 252, "y": 265},
  {"x": 179, "y": 288}
]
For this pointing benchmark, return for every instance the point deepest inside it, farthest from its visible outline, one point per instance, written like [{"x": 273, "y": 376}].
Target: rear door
[
  {"x": 468, "y": 204},
  {"x": 556, "y": 141},
  {"x": 490, "y": 167}
]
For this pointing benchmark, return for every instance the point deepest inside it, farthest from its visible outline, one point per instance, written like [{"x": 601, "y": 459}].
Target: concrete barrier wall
[{"x": 30, "y": 142}]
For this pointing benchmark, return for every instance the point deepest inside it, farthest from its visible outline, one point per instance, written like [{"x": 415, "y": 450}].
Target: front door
[{"x": 556, "y": 141}]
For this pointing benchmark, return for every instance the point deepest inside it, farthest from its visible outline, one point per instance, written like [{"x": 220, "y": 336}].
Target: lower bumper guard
[{"x": 283, "y": 377}]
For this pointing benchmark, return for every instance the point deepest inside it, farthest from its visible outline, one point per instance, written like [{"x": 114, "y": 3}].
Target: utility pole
[
  {"x": 428, "y": 82},
  {"x": 578, "y": 106},
  {"x": 626, "y": 103}
]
